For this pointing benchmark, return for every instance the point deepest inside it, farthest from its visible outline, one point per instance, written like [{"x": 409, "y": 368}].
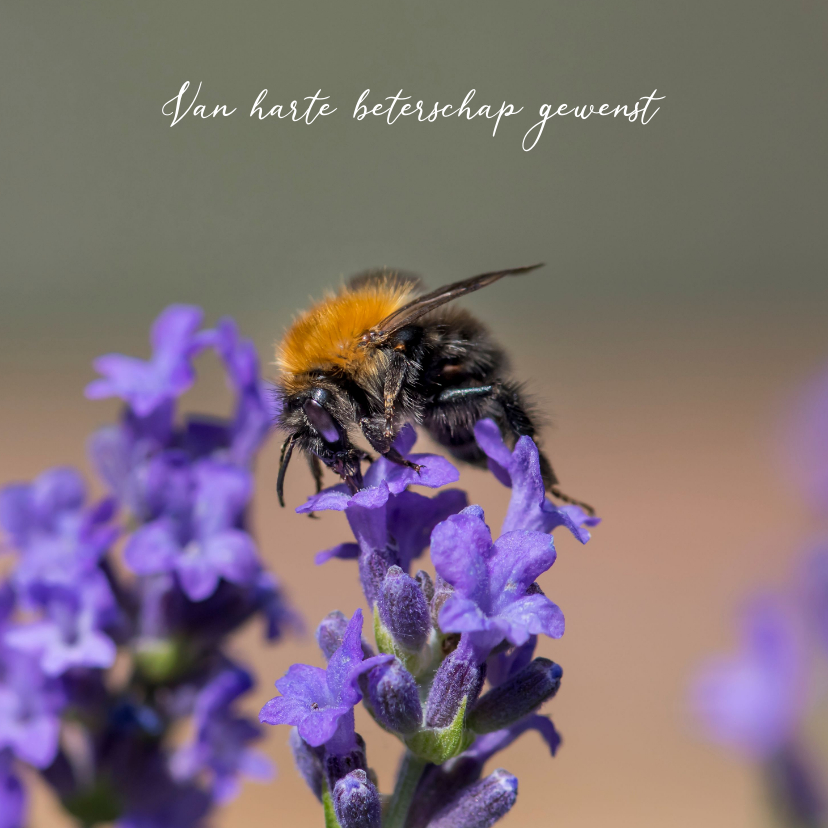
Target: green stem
[
  {"x": 410, "y": 772},
  {"x": 330, "y": 816}
]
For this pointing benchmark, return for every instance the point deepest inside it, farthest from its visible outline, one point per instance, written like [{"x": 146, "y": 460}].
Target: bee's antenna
[{"x": 284, "y": 460}]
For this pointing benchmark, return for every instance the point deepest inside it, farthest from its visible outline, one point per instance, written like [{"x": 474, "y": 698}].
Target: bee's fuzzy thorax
[{"x": 326, "y": 335}]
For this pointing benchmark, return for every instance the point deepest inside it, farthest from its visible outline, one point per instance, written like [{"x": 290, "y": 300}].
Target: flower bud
[
  {"x": 458, "y": 677},
  {"x": 480, "y": 805},
  {"x": 330, "y": 631},
  {"x": 339, "y": 765},
  {"x": 308, "y": 762},
  {"x": 403, "y": 610},
  {"x": 395, "y": 698},
  {"x": 356, "y": 801},
  {"x": 518, "y": 697}
]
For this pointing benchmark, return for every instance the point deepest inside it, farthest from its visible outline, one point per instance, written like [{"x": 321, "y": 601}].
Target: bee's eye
[{"x": 321, "y": 421}]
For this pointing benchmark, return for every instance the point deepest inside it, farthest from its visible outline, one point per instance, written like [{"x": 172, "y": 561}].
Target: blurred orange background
[{"x": 683, "y": 304}]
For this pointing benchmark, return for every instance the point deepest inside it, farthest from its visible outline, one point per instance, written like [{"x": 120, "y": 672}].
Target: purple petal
[
  {"x": 412, "y": 517},
  {"x": 223, "y": 492},
  {"x": 197, "y": 574},
  {"x": 462, "y": 615},
  {"x": 37, "y": 743},
  {"x": 335, "y": 499},
  {"x": 55, "y": 491},
  {"x": 233, "y": 555},
  {"x": 321, "y": 725},
  {"x": 373, "y": 497},
  {"x": 519, "y": 559},
  {"x": 532, "y": 615},
  {"x": 436, "y": 471},
  {"x": 488, "y": 436},
  {"x": 459, "y": 549},
  {"x": 345, "y": 551},
  {"x": 306, "y": 683},
  {"x": 153, "y": 548},
  {"x": 173, "y": 330}
]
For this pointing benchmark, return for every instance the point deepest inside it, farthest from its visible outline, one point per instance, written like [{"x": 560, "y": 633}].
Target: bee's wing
[{"x": 424, "y": 304}]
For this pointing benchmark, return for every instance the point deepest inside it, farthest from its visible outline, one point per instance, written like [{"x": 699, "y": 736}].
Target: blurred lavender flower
[
  {"x": 30, "y": 708},
  {"x": 72, "y": 634},
  {"x": 754, "y": 701},
  {"x": 168, "y": 373},
  {"x": 104, "y": 745},
  {"x": 59, "y": 540},
  {"x": 222, "y": 740},
  {"x": 204, "y": 543}
]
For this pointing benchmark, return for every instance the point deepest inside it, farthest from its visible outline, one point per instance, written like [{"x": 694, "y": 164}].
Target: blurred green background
[{"x": 683, "y": 301}]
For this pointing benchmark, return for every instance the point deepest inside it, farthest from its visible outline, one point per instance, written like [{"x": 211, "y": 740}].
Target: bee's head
[{"x": 314, "y": 421}]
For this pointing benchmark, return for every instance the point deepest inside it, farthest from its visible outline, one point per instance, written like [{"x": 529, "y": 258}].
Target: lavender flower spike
[
  {"x": 320, "y": 703},
  {"x": 168, "y": 373},
  {"x": 493, "y": 597}
]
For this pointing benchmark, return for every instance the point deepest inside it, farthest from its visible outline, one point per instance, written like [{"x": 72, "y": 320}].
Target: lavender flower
[
  {"x": 168, "y": 373},
  {"x": 205, "y": 543},
  {"x": 529, "y": 507},
  {"x": 320, "y": 703},
  {"x": 391, "y": 524},
  {"x": 59, "y": 540},
  {"x": 30, "y": 707},
  {"x": 72, "y": 634},
  {"x": 754, "y": 701},
  {"x": 104, "y": 746},
  {"x": 222, "y": 738},
  {"x": 492, "y": 598}
]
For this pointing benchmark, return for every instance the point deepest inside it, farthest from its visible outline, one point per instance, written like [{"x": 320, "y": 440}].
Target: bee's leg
[
  {"x": 395, "y": 457},
  {"x": 394, "y": 378},
  {"x": 511, "y": 411},
  {"x": 375, "y": 433}
]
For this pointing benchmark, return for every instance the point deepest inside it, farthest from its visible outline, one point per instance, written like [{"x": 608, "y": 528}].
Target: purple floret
[
  {"x": 529, "y": 507},
  {"x": 71, "y": 634},
  {"x": 494, "y": 597},
  {"x": 754, "y": 701},
  {"x": 59, "y": 540},
  {"x": 145, "y": 385},
  {"x": 30, "y": 707},
  {"x": 203, "y": 543},
  {"x": 221, "y": 745},
  {"x": 320, "y": 703},
  {"x": 391, "y": 524}
]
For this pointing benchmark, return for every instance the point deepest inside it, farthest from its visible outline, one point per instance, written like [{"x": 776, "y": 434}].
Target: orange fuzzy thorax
[{"x": 327, "y": 335}]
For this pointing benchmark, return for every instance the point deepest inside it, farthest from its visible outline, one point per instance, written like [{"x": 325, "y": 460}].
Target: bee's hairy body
[{"x": 373, "y": 357}]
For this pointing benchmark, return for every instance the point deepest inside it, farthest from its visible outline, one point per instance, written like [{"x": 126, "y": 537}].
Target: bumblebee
[{"x": 381, "y": 353}]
